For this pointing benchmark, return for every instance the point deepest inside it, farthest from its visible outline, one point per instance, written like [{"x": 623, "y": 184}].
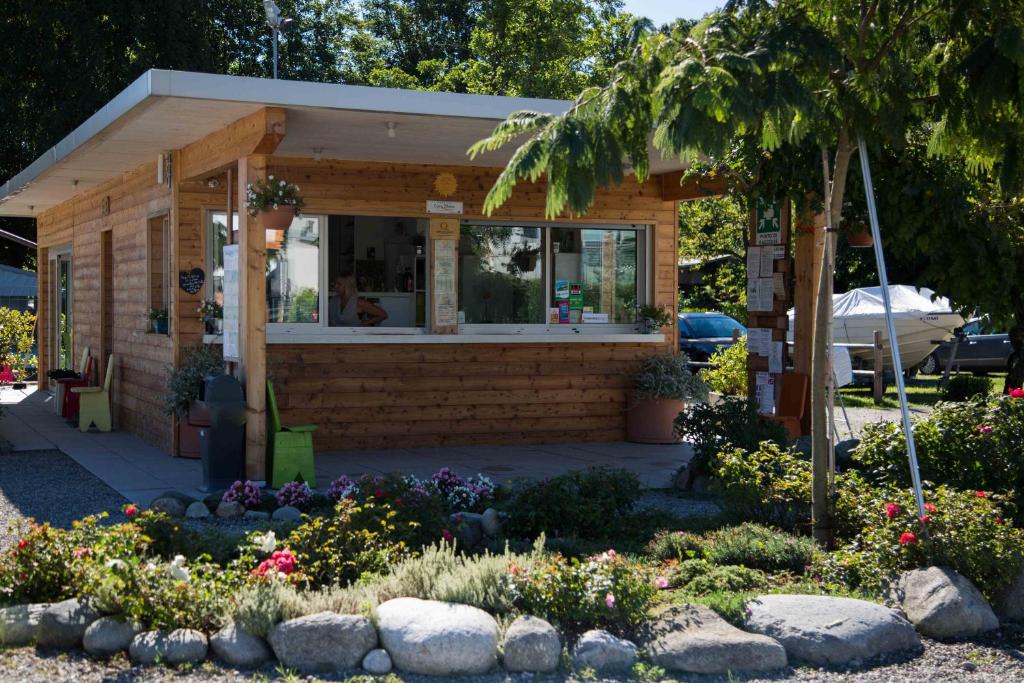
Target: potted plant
[
  {"x": 212, "y": 314},
  {"x": 275, "y": 201},
  {"x": 184, "y": 395},
  {"x": 858, "y": 235},
  {"x": 158, "y": 319},
  {"x": 651, "y": 319},
  {"x": 664, "y": 385}
]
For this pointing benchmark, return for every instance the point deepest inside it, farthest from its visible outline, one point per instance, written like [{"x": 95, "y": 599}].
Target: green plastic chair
[
  {"x": 289, "y": 449},
  {"x": 94, "y": 403}
]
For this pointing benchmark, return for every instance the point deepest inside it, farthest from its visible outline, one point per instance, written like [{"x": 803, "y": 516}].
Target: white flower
[
  {"x": 178, "y": 570},
  {"x": 150, "y": 567},
  {"x": 117, "y": 564},
  {"x": 270, "y": 177},
  {"x": 282, "y": 183},
  {"x": 266, "y": 542}
]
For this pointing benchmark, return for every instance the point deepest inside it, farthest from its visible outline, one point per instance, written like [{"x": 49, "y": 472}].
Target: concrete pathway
[{"x": 141, "y": 472}]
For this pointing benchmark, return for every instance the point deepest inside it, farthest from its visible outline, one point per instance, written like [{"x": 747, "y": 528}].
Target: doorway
[{"x": 61, "y": 323}]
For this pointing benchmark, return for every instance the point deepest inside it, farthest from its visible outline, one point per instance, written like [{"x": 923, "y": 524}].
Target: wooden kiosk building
[{"x": 135, "y": 206}]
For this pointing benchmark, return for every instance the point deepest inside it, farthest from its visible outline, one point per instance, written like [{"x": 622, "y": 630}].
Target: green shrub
[
  {"x": 185, "y": 381},
  {"x": 964, "y": 530},
  {"x": 701, "y": 577},
  {"x": 759, "y": 547},
  {"x": 356, "y": 540},
  {"x": 962, "y": 387},
  {"x": 669, "y": 376},
  {"x": 586, "y": 504},
  {"x": 970, "y": 445},
  {"x": 728, "y": 372},
  {"x": 605, "y": 591},
  {"x": 676, "y": 545},
  {"x": 731, "y": 423},
  {"x": 769, "y": 485}
]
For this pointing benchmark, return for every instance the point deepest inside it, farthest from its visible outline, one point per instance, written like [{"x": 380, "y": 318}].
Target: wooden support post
[
  {"x": 877, "y": 380},
  {"x": 809, "y": 235},
  {"x": 252, "y": 264},
  {"x": 43, "y": 314},
  {"x": 776, "y": 319}
]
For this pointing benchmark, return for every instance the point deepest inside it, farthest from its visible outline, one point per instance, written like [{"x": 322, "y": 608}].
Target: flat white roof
[{"x": 165, "y": 110}]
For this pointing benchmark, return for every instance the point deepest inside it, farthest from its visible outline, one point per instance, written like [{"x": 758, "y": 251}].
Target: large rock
[
  {"x": 180, "y": 646},
  {"x": 825, "y": 630},
  {"x": 197, "y": 510},
  {"x": 438, "y": 638},
  {"x": 108, "y": 636},
  {"x": 533, "y": 645},
  {"x": 63, "y": 624},
  {"x": 287, "y": 513},
  {"x": 490, "y": 521},
  {"x": 18, "y": 624},
  {"x": 1010, "y": 603},
  {"x": 230, "y": 509},
  {"x": 944, "y": 604},
  {"x": 324, "y": 642},
  {"x": 377, "y": 662},
  {"x": 696, "y": 640},
  {"x": 239, "y": 648},
  {"x": 603, "y": 652},
  {"x": 256, "y": 515},
  {"x": 172, "y": 506},
  {"x": 468, "y": 528}
]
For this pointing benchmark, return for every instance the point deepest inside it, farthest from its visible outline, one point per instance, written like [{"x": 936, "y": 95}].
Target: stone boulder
[
  {"x": 844, "y": 451},
  {"x": 532, "y": 645},
  {"x": 108, "y": 636},
  {"x": 172, "y": 506},
  {"x": 490, "y": 522},
  {"x": 437, "y": 638},
  {"x": 18, "y": 624},
  {"x": 180, "y": 646},
  {"x": 324, "y": 642},
  {"x": 943, "y": 604},
  {"x": 287, "y": 513},
  {"x": 825, "y": 630},
  {"x": 239, "y": 648},
  {"x": 230, "y": 509},
  {"x": 603, "y": 652},
  {"x": 696, "y": 640},
  {"x": 1009, "y": 605},
  {"x": 468, "y": 528},
  {"x": 63, "y": 624},
  {"x": 377, "y": 662},
  {"x": 197, "y": 510},
  {"x": 256, "y": 516}
]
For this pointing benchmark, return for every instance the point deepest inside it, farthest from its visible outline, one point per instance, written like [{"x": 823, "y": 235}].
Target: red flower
[
  {"x": 447, "y": 535},
  {"x": 908, "y": 538},
  {"x": 22, "y": 543},
  {"x": 999, "y": 521},
  {"x": 984, "y": 429},
  {"x": 891, "y": 510},
  {"x": 378, "y": 492},
  {"x": 929, "y": 507},
  {"x": 1017, "y": 393},
  {"x": 82, "y": 552},
  {"x": 130, "y": 510},
  {"x": 980, "y": 494},
  {"x": 513, "y": 570},
  {"x": 925, "y": 519},
  {"x": 284, "y": 560}
]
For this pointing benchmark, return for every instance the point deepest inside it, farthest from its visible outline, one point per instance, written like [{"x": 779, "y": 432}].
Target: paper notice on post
[
  {"x": 765, "y": 388},
  {"x": 752, "y": 294},
  {"x": 767, "y": 261},
  {"x": 779, "y": 285},
  {"x": 776, "y": 357},
  {"x": 758, "y": 339},
  {"x": 765, "y": 298},
  {"x": 753, "y": 262}
]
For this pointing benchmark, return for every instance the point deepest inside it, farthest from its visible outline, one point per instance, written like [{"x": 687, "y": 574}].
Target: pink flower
[
  {"x": 82, "y": 552},
  {"x": 924, "y": 519},
  {"x": 1017, "y": 393},
  {"x": 611, "y": 553},
  {"x": 929, "y": 507},
  {"x": 130, "y": 510},
  {"x": 908, "y": 538},
  {"x": 447, "y": 535},
  {"x": 284, "y": 561},
  {"x": 609, "y": 601},
  {"x": 891, "y": 510},
  {"x": 513, "y": 570},
  {"x": 661, "y": 582},
  {"x": 22, "y": 543},
  {"x": 999, "y": 521},
  {"x": 980, "y": 494},
  {"x": 984, "y": 429}
]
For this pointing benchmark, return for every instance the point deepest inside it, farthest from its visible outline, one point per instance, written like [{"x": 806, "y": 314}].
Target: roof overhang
[{"x": 167, "y": 110}]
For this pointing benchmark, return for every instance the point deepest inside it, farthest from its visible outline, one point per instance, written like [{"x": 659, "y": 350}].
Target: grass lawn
[{"x": 922, "y": 392}]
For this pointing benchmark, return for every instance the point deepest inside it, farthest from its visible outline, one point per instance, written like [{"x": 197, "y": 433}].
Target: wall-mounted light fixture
[
  {"x": 391, "y": 129},
  {"x": 318, "y": 153}
]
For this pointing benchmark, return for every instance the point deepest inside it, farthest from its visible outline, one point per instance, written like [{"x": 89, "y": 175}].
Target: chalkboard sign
[{"x": 191, "y": 280}]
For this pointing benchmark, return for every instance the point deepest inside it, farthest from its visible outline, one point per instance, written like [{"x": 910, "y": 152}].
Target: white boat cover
[{"x": 907, "y": 301}]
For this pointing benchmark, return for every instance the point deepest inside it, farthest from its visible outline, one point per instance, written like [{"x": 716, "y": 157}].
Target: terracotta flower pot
[
  {"x": 860, "y": 238},
  {"x": 651, "y": 420},
  {"x": 279, "y": 218}
]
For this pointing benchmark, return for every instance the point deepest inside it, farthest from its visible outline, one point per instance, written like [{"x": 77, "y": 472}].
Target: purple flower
[
  {"x": 295, "y": 493},
  {"x": 609, "y": 601},
  {"x": 247, "y": 493},
  {"x": 342, "y": 487}
]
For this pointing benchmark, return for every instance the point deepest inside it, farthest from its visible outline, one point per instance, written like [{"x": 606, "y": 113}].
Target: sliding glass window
[{"x": 501, "y": 274}]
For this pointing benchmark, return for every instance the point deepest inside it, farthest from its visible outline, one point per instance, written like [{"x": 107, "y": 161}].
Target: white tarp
[{"x": 906, "y": 300}]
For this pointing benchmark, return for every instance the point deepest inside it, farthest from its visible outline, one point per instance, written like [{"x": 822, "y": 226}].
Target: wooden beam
[
  {"x": 810, "y": 232},
  {"x": 673, "y": 188},
  {"x": 252, "y": 259},
  {"x": 258, "y": 133}
]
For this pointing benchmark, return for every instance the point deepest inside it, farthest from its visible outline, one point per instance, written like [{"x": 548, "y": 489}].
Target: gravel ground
[
  {"x": 994, "y": 659},
  {"x": 49, "y": 487},
  {"x": 859, "y": 417},
  {"x": 678, "y": 503}
]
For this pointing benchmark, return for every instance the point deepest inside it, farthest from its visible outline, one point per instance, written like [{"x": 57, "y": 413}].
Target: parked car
[
  {"x": 701, "y": 334},
  {"x": 977, "y": 351}
]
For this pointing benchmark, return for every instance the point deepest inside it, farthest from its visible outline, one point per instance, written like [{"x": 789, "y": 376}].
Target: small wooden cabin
[{"x": 135, "y": 206}]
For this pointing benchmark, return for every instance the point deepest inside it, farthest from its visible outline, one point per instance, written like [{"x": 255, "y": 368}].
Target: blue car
[{"x": 702, "y": 334}]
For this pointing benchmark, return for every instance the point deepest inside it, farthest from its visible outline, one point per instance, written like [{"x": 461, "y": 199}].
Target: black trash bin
[{"x": 222, "y": 444}]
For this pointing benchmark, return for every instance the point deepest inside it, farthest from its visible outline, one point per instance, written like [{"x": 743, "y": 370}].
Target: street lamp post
[{"x": 277, "y": 24}]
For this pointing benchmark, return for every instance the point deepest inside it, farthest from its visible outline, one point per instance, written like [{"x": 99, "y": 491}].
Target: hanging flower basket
[
  {"x": 860, "y": 237},
  {"x": 275, "y": 201}
]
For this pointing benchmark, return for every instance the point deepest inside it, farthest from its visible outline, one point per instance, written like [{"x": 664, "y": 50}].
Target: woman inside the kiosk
[{"x": 347, "y": 309}]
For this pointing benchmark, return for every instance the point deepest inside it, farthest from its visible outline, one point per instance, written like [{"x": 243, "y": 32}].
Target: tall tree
[{"x": 780, "y": 92}]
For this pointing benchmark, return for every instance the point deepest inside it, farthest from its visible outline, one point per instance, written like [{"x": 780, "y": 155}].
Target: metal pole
[
  {"x": 883, "y": 277},
  {"x": 275, "y": 52}
]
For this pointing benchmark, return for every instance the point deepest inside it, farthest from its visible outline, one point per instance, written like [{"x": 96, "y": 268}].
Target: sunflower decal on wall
[{"x": 445, "y": 184}]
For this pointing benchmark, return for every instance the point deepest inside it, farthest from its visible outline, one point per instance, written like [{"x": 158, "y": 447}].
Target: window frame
[{"x": 164, "y": 217}]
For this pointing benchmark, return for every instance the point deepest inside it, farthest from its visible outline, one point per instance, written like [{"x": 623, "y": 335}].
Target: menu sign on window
[
  {"x": 231, "y": 299},
  {"x": 445, "y": 317}
]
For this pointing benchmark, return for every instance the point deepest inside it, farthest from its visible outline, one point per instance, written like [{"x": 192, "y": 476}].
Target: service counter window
[
  {"x": 501, "y": 275},
  {"x": 293, "y": 272}
]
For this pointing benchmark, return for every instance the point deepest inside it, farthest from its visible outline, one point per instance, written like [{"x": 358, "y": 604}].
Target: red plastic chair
[{"x": 69, "y": 409}]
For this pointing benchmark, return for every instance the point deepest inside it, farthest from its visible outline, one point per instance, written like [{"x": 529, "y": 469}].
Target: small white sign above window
[{"x": 444, "y": 207}]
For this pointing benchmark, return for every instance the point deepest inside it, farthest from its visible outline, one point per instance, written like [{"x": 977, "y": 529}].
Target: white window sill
[{"x": 471, "y": 338}]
